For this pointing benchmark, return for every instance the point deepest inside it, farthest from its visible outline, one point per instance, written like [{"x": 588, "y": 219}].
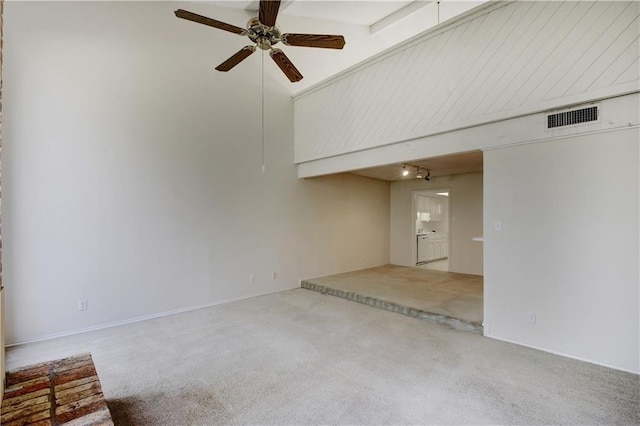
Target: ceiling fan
[{"x": 263, "y": 31}]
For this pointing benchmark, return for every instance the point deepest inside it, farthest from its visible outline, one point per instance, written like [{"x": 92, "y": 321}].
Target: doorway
[{"x": 431, "y": 212}]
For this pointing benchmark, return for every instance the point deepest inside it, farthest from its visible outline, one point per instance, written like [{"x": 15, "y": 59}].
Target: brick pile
[{"x": 65, "y": 391}]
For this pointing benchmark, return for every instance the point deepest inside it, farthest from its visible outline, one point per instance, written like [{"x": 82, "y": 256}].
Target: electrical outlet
[
  {"x": 531, "y": 317},
  {"x": 82, "y": 305},
  {"x": 497, "y": 225},
  {"x": 486, "y": 328},
  {"x": 274, "y": 275}
]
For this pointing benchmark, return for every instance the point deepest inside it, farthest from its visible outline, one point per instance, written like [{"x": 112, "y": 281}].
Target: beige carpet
[
  {"x": 299, "y": 357},
  {"x": 451, "y": 299}
]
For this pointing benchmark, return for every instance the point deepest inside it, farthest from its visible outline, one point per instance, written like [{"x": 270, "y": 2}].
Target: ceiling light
[
  {"x": 405, "y": 172},
  {"x": 427, "y": 178},
  {"x": 418, "y": 173}
]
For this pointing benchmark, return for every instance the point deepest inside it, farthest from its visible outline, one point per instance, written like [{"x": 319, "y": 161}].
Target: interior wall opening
[{"x": 431, "y": 213}]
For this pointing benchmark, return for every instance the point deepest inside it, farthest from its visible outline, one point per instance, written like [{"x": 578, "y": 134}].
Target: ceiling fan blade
[
  {"x": 326, "y": 41},
  {"x": 240, "y": 56},
  {"x": 285, "y": 65},
  {"x": 190, "y": 16},
  {"x": 268, "y": 12}
]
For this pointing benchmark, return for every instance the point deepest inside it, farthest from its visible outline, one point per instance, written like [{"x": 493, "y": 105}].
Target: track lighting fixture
[{"x": 420, "y": 173}]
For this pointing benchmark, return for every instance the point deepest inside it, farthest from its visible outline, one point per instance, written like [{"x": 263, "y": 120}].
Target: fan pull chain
[{"x": 262, "y": 89}]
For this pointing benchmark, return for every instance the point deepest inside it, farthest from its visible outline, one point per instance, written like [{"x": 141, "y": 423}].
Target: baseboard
[
  {"x": 141, "y": 318},
  {"x": 563, "y": 354}
]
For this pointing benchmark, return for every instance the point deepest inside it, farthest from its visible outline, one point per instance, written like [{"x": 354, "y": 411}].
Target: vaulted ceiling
[
  {"x": 380, "y": 25},
  {"x": 369, "y": 26},
  {"x": 348, "y": 12}
]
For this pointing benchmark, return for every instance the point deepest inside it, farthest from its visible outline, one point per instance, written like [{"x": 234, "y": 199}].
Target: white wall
[
  {"x": 466, "y": 221},
  {"x": 568, "y": 248},
  {"x": 132, "y": 173}
]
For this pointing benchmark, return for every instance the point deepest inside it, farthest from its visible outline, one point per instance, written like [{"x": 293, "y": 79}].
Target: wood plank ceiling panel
[
  {"x": 617, "y": 57},
  {"x": 630, "y": 74},
  {"x": 403, "y": 116},
  {"x": 601, "y": 16},
  {"x": 502, "y": 40},
  {"x": 598, "y": 45},
  {"x": 506, "y": 60},
  {"x": 557, "y": 22},
  {"x": 544, "y": 66}
]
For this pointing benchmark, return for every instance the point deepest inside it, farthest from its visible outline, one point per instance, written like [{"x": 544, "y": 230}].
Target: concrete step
[{"x": 448, "y": 321}]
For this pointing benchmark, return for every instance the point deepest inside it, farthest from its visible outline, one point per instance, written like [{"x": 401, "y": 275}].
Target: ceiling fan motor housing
[{"x": 263, "y": 36}]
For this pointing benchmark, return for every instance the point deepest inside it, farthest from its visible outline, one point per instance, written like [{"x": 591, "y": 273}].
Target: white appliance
[
  {"x": 422, "y": 253},
  {"x": 432, "y": 247}
]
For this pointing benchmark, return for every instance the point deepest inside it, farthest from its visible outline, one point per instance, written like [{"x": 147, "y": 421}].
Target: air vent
[{"x": 576, "y": 116}]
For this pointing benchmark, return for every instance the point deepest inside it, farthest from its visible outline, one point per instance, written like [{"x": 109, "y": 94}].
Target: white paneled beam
[{"x": 397, "y": 16}]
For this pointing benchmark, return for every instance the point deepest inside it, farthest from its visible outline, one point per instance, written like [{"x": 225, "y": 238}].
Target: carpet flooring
[
  {"x": 450, "y": 299},
  {"x": 300, "y": 357}
]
